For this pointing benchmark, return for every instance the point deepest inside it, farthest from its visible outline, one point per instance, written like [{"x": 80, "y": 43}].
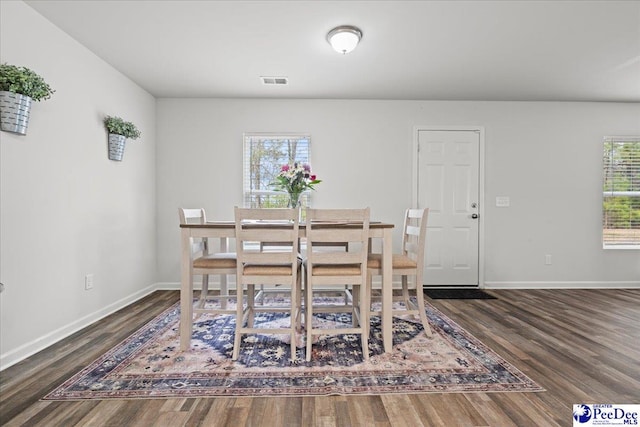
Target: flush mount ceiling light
[{"x": 344, "y": 38}]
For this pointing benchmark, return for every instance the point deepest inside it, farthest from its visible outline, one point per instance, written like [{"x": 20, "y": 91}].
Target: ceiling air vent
[{"x": 275, "y": 81}]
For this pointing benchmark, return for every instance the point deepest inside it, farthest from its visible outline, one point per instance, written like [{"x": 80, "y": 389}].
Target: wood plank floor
[{"x": 582, "y": 346}]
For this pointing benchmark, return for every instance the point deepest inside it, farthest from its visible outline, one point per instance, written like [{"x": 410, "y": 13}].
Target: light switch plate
[{"x": 503, "y": 201}]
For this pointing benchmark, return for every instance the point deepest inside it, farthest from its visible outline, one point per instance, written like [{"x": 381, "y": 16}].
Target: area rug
[
  {"x": 458, "y": 294},
  {"x": 149, "y": 363}
]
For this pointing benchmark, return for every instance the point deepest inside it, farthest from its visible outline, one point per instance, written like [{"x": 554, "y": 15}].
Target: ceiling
[{"x": 426, "y": 50}]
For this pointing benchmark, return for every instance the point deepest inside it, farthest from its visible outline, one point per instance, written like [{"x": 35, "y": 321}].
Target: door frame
[{"x": 481, "y": 179}]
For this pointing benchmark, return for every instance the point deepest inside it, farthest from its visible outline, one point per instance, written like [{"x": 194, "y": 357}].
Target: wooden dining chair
[
  {"x": 408, "y": 263},
  {"x": 327, "y": 267},
  {"x": 206, "y": 263},
  {"x": 280, "y": 266}
]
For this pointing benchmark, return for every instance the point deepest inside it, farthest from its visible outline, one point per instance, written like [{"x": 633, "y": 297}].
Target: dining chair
[
  {"x": 205, "y": 264},
  {"x": 327, "y": 267},
  {"x": 410, "y": 262},
  {"x": 280, "y": 266}
]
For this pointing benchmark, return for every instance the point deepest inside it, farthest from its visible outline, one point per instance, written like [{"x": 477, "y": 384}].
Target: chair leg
[
  {"x": 370, "y": 292},
  {"x": 356, "y": 301},
  {"x": 223, "y": 291},
  {"x": 364, "y": 319},
  {"x": 405, "y": 293},
  {"x": 239, "y": 321},
  {"x": 422, "y": 310},
  {"x": 293, "y": 319},
  {"x": 299, "y": 303},
  {"x": 251, "y": 303},
  {"x": 308, "y": 323},
  {"x": 204, "y": 290}
]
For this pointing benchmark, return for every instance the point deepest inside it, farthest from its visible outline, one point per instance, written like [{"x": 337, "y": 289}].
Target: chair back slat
[
  {"x": 322, "y": 237},
  {"x": 413, "y": 230},
  {"x": 282, "y": 236},
  {"x": 192, "y": 216},
  {"x": 266, "y": 258},
  {"x": 336, "y": 257}
]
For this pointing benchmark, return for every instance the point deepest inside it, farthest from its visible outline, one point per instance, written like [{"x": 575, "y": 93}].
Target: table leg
[
  {"x": 186, "y": 292},
  {"x": 387, "y": 291},
  {"x": 224, "y": 247}
]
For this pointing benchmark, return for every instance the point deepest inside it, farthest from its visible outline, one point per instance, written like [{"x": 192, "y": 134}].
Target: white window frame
[
  {"x": 611, "y": 190},
  {"x": 250, "y": 193}
]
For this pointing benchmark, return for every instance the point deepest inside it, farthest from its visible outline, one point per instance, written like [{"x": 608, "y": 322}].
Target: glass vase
[{"x": 294, "y": 200}]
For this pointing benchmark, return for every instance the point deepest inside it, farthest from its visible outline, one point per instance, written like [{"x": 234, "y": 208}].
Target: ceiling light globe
[{"x": 344, "y": 39}]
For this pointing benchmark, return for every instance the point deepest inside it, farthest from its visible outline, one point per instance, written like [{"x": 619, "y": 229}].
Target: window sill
[{"x": 622, "y": 247}]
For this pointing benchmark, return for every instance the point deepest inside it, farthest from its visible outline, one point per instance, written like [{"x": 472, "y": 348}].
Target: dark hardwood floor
[{"x": 582, "y": 346}]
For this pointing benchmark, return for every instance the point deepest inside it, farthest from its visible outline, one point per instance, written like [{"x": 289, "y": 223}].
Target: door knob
[{"x": 474, "y": 216}]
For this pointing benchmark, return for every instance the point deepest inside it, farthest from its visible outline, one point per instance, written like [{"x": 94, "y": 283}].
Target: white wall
[
  {"x": 66, "y": 210},
  {"x": 545, "y": 156}
]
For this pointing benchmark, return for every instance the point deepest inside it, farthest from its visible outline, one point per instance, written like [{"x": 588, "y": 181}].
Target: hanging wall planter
[
  {"x": 14, "y": 112},
  {"x": 116, "y": 146},
  {"x": 18, "y": 87},
  {"x": 119, "y": 131}
]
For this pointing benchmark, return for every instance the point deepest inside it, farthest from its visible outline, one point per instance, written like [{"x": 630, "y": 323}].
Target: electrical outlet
[
  {"x": 88, "y": 282},
  {"x": 547, "y": 259}
]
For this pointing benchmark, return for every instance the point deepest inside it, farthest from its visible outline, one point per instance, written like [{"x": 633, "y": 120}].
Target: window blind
[
  {"x": 264, "y": 155},
  {"x": 621, "y": 193}
]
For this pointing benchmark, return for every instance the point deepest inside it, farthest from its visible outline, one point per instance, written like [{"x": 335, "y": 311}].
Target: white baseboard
[
  {"x": 175, "y": 286},
  {"x": 563, "y": 285},
  {"x": 16, "y": 355}
]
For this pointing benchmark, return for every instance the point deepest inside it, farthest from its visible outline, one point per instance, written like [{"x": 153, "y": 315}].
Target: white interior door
[{"x": 448, "y": 169}]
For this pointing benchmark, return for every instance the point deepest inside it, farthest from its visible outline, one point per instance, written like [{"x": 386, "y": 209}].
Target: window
[
  {"x": 621, "y": 193},
  {"x": 264, "y": 155}
]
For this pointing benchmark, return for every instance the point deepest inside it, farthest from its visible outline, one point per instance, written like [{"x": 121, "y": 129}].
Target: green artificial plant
[
  {"x": 120, "y": 127},
  {"x": 24, "y": 81}
]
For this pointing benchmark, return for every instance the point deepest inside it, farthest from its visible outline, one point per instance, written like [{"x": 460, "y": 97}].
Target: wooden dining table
[{"x": 225, "y": 230}]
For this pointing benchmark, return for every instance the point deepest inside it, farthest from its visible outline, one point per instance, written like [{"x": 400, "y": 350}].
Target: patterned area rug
[{"x": 149, "y": 364}]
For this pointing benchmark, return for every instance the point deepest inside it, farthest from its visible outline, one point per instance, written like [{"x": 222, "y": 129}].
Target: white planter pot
[
  {"x": 14, "y": 112},
  {"x": 116, "y": 147}
]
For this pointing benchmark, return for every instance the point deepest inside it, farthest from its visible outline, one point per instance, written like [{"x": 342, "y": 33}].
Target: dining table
[{"x": 225, "y": 230}]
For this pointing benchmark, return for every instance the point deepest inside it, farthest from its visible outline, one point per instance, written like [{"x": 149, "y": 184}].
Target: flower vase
[{"x": 294, "y": 200}]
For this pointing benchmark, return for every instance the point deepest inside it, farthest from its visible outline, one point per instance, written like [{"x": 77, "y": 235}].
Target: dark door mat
[{"x": 457, "y": 294}]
